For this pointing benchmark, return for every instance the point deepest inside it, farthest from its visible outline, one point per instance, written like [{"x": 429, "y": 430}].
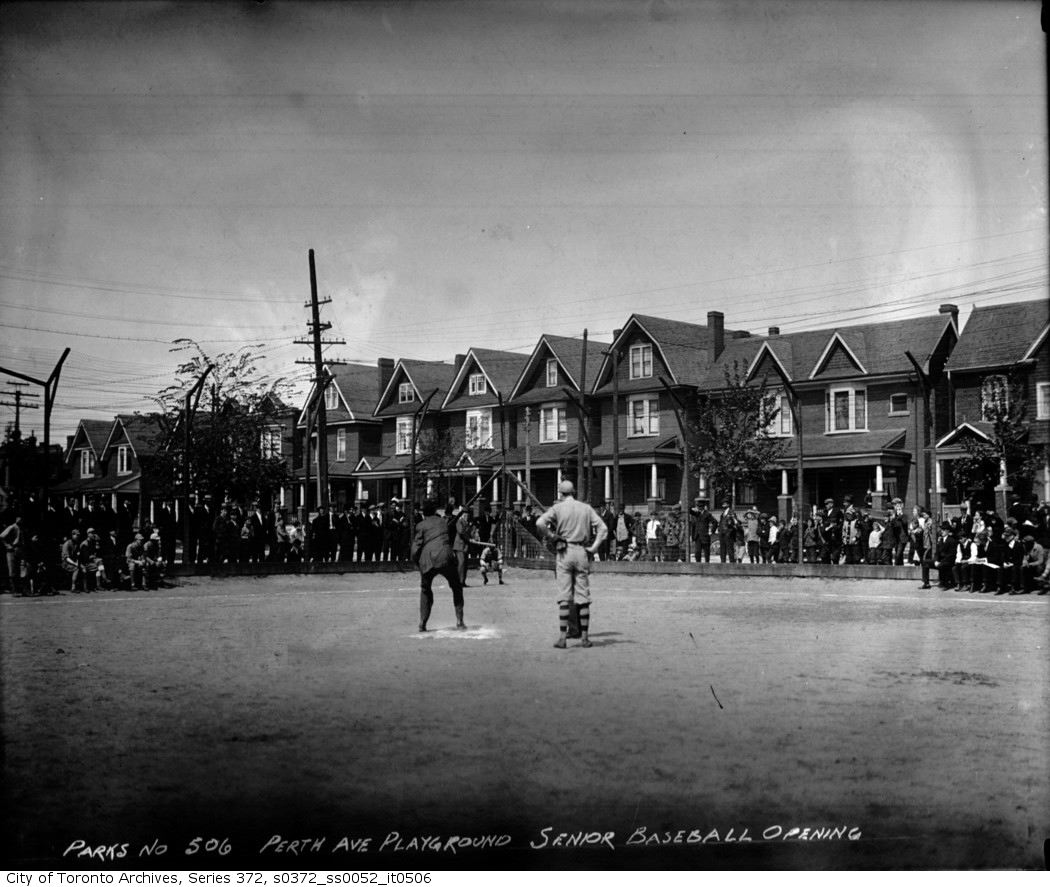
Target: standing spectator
[
  {"x": 14, "y": 546},
  {"x": 258, "y": 535},
  {"x": 924, "y": 542},
  {"x": 624, "y": 531},
  {"x": 809, "y": 542},
  {"x": 830, "y": 533},
  {"x": 461, "y": 533},
  {"x": 727, "y": 524},
  {"x": 87, "y": 557},
  {"x": 674, "y": 534},
  {"x": 165, "y": 522},
  {"x": 852, "y": 533},
  {"x": 609, "y": 517},
  {"x": 874, "y": 542},
  {"x": 154, "y": 560},
  {"x": 751, "y": 535},
  {"x": 653, "y": 537},
  {"x": 897, "y": 529},
  {"x": 771, "y": 554},
  {"x": 703, "y": 524}
]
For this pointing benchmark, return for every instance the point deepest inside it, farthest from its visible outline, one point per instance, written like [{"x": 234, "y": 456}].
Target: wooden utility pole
[
  {"x": 320, "y": 383},
  {"x": 193, "y": 397},
  {"x": 528, "y": 448},
  {"x": 583, "y": 476},
  {"x": 614, "y": 352},
  {"x": 18, "y": 394}
]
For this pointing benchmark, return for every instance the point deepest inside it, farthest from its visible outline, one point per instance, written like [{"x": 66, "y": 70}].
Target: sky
[{"x": 477, "y": 174}]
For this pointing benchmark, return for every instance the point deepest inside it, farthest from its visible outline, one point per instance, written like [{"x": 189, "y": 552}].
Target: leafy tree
[
  {"x": 1006, "y": 410},
  {"x": 731, "y": 433},
  {"x": 437, "y": 452},
  {"x": 227, "y": 458}
]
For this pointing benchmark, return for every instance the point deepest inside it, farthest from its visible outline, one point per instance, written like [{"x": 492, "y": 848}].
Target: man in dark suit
[
  {"x": 432, "y": 552},
  {"x": 727, "y": 522}
]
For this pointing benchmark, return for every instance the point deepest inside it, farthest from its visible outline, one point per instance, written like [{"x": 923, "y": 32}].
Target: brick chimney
[
  {"x": 953, "y": 310},
  {"x": 386, "y": 370},
  {"x": 774, "y": 331},
  {"x": 716, "y": 325}
]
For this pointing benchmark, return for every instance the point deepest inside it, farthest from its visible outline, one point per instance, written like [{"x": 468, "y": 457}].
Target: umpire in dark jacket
[{"x": 432, "y": 552}]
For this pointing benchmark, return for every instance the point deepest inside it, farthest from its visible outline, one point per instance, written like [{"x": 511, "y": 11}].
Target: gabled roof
[
  {"x": 684, "y": 348},
  {"x": 141, "y": 432},
  {"x": 357, "y": 386},
  {"x": 425, "y": 376},
  {"x": 569, "y": 354},
  {"x": 91, "y": 433},
  {"x": 877, "y": 348},
  {"x": 500, "y": 368},
  {"x": 982, "y": 430},
  {"x": 1001, "y": 335}
]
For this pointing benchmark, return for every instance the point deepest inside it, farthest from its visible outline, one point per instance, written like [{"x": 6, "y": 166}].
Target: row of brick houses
[{"x": 884, "y": 408}]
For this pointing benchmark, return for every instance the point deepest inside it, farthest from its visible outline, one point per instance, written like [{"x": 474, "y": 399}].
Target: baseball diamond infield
[{"x": 301, "y": 722}]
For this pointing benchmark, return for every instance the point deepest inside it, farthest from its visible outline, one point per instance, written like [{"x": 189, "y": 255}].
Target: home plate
[{"x": 478, "y": 633}]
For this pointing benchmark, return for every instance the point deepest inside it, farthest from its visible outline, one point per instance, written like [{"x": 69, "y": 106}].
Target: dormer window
[
  {"x": 405, "y": 393},
  {"x": 476, "y": 384},
  {"x": 87, "y": 463},
  {"x": 331, "y": 397},
  {"x": 845, "y": 409},
  {"x": 641, "y": 361},
  {"x": 552, "y": 373},
  {"x": 123, "y": 460}
]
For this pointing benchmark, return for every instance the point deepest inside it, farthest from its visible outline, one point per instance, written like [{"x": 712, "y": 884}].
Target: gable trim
[
  {"x": 599, "y": 379},
  {"x": 1037, "y": 344},
  {"x": 457, "y": 382},
  {"x": 826, "y": 353},
  {"x": 309, "y": 396},
  {"x": 957, "y": 430},
  {"x": 766, "y": 349},
  {"x": 530, "y": 366}
]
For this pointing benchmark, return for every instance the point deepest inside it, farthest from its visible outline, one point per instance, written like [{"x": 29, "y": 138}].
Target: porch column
[
  {"x": 1002, "y": 491},
  {"x": 652, "y": 481},
  {"x": 495, "y": 489},
  {"x": 404, "y": 488},
  {"x": 113, "y": 501},
  {"x": 360, "y": 490},
  {"x": 152, "y": 511},
  {"x": 302, "y": 495},
  {"x": 477, "y": 482},
  {"x": 878, "y": 495},
  {"x": 280, "y": 498},
  {"x": 608, "y": 483},
  {"x": 559, "y": 477},
  {"x": 1046, "y": 481},
  {"x": 784, "y": 499},
  {"x": 430, "y": 487},
  {"x": 519, "y": 496}
]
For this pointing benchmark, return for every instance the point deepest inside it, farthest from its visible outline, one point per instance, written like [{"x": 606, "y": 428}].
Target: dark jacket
[{"x": 430, "y": 546}]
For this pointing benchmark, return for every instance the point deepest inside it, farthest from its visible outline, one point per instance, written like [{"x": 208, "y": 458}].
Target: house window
[
  {"x": 405, "y": 393},
  {"x": 780, "y": 424},
  {"x": 845, "y": 409},
  {"x": 552, "y": 424},
  {"x": 898, "y": 404},
  {"x": 87, "y": 463},
  {"x": 331, "y": 397},
  {"x": 995, "y": 397},
  {"x": 552, "y": 373},
  {"x": 1042, "y": 400},
  {"x": 404, "y": 435},
  {"x": 643, "y": 416},
  {"x": 340, "y": 445},
  {"x": 270, "y": 443},
  {"x": 641, "y": 361},
  {"x": 479, "y": 430},
  {"x": 123, "y": 463},
  {"x": 476, "y": 383}
]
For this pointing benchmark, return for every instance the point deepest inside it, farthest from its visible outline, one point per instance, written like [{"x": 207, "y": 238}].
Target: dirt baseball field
[{"x": 304, "y": 723}]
